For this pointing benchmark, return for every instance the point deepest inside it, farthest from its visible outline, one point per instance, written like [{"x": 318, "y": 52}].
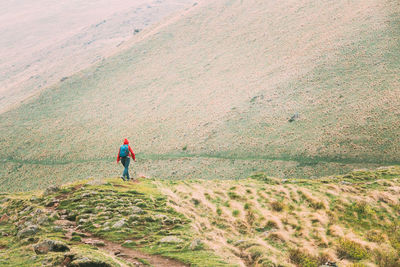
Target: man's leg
[
  {"x": 126, "y": 168},
  {"x": 123, "y": 161}
]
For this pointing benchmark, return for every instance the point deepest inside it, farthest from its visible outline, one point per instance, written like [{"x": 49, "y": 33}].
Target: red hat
[{"x": 126, "y": 141}]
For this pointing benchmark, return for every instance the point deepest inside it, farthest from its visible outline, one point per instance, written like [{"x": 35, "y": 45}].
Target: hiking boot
[{"x": 122, "y": 177}]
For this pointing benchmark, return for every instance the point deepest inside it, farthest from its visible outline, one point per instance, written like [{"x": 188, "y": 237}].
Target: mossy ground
[{"x": 95, "y": 209}]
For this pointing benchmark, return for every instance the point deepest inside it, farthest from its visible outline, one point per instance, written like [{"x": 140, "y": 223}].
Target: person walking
[{"x": 124, "y": 154}]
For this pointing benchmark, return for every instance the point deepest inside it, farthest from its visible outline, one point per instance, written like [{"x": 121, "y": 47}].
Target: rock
[
  {"x": 57, "y": 228},
  {"x": 4, "y": 234},
  {"x": 50, "y": 245},
  {"x": 171, "y": 239},
  {"x": 82, "y": 221},
  {"x": 119, "y": 224},
  {"x": 38, "y": 212},
  {"x": 51, "y": 190},
  {"x": 196, "y": 244},
  {"x": 161, "y": 217},
  {"x": 43, "y": 219},
  {"x": 89, "y": 194},
  {"x": 136, "y": 210},
  {"x": 28, "y": 231},
  {"x": 294, "y": 117}
]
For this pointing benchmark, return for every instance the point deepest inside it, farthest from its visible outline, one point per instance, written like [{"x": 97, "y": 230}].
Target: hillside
[
  {"x": 348, "y": 220},
  {"x": 209, "y": 94},
  {"x": 42, "y": 42}
]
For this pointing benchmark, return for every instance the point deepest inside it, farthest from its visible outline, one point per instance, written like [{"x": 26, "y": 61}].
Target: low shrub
[
  {"x": 351, "y": 250},
  {"x": 302, "y": 258},
  {"x": 277, "y": 206},
  {"x": 375, "y": 236}
]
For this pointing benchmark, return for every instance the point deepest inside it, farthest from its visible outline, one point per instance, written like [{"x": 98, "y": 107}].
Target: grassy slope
[
  {"x": 261, "y": 221},
  {"x": 36, "y": 53},
  {"x": 222, "y": 80}
]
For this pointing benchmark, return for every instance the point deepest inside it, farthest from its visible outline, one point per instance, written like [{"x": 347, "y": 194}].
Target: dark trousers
[{"x": 125, "y": 161}]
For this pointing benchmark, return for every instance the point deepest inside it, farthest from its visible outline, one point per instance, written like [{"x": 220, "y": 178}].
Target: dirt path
[{"x": 115, "y": 250}]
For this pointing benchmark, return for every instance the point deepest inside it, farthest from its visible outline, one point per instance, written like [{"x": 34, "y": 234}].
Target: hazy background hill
[
  {"x": 44, "y": 41},
  {"x": 209, "y": 94}
]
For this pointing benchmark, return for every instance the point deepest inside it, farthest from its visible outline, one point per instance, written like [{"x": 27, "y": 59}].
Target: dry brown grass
[{"x": 318, "y": 231}]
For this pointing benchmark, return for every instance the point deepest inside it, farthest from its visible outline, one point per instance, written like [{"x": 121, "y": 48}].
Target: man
[{"x": 124, "y": 154}]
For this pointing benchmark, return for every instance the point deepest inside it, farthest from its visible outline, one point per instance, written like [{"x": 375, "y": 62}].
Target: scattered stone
[
  {"x": 196, "y": 244},
  {"x": 28, "y": 231},
  {"x": 38, "y": 212},
  {"x": 171, "y": 239},
  {"x": 119, "y": 224},
  {"x": 82, "y": 221},
  {"x": 89, "y": 194},
  {"x": 57, "y": 228},
  {"x": 329, "y": 264},
  {"x": 4, "y": 234},
  {"x": 43, "y": 219},
  {"x": 294, "y": 117},
  {"x": 50, "y": 245}
]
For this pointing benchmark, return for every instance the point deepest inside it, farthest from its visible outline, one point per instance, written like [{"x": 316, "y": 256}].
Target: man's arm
[
  {"x": 133, "y": 154},
  {"x": 118, "y": 158}
]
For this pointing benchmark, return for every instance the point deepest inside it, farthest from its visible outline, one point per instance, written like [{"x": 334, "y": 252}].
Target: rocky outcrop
[
  {"x": 50, "y": 245},
  {"x": 30, "y": 230}
]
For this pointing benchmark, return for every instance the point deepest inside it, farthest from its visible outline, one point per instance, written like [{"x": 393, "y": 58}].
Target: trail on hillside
[
  {"x": 115, "y": 250},
  {"x": 301, "y": 159}
]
